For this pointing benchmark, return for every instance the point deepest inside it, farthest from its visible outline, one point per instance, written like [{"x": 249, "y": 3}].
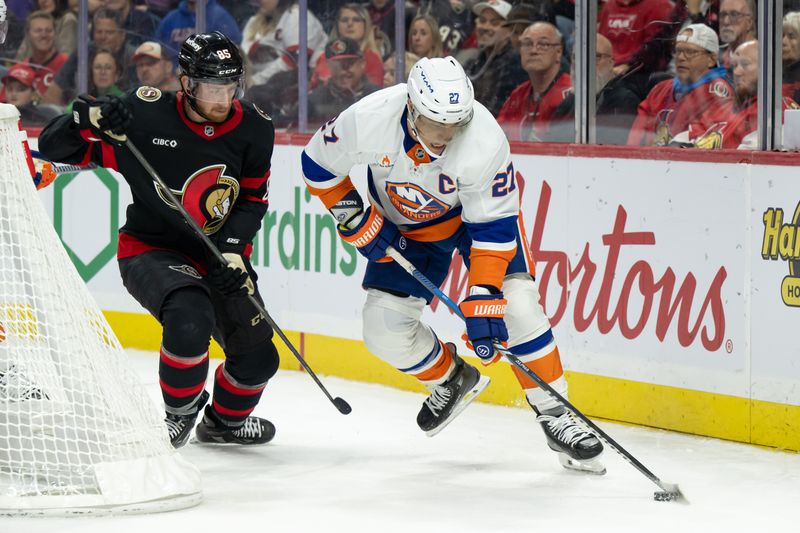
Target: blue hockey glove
[
  {"x": 484, "y": 316},
  {"x": 373, "y": 235}
]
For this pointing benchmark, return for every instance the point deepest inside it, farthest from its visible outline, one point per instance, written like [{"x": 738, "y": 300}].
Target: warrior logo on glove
[{"x": 208, "y": 195}]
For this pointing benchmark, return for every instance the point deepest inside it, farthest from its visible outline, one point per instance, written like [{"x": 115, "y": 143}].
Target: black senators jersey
[{"x": 218, "y": 171}]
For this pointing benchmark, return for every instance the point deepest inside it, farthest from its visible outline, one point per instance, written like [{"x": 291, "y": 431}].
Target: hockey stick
[
  {"x": 339, "y": 403},
  {"x": 62, "y": 168},
  {"x": 668, "y": 492}
]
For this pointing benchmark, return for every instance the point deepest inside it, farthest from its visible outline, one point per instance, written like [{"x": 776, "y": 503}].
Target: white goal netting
[{"x": 78, "y": 433}]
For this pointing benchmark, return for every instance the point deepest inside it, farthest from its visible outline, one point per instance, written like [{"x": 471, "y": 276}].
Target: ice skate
[
  {"x": 577, "y": 448},
  {"x": 180, "y": 425},
  {"x": 211, "y": 430},
  {"x": 448, "y": 399},
  {"x": 16, "y": 387}
]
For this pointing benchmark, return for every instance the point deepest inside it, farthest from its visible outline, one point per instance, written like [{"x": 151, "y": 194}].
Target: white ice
[{"x": 489, "y": 471}]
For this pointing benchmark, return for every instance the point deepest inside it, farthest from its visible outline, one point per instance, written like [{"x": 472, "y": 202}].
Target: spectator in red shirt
[
  {"x": 44, "y": 59},
  {"x": 640, "y": 32},
  {"x": 736, "y": 25},
  {"x": 526, "y": 114},
  {"x": 741, "y": 131},
  {"x": 698, "y": 97}
]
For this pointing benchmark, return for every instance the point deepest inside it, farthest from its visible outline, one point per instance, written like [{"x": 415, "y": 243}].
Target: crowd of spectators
[{"x": 668, "y": 72}]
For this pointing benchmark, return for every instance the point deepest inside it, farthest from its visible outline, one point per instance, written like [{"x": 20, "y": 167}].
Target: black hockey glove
[
  {"x": 107, "y": 118},
  {"x": 231, "y": 279}
]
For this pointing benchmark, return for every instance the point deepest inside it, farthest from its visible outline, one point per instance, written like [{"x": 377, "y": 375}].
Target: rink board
[{"x": 672, "y": 285}]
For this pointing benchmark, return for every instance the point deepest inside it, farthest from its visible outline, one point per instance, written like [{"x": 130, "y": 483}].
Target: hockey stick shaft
[
  {"x": 514, "y": 360},
  {"x": 342, "y": 406},
  {"x": 63, "y": 168}
]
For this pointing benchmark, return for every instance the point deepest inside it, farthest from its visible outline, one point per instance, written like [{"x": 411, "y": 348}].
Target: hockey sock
[
  {"x": 233, "y": 399},
  {"x": 188, "y": 318},
  {"x": 182, "y": 379},
  {"x": 436, "y": 367}
]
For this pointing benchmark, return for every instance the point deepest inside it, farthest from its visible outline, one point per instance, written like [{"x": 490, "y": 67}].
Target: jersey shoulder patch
[{"x": 148, "y": 94}]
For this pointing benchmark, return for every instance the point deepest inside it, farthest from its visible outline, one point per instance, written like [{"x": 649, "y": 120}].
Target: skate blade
[
  {"x": 473, "y": 393},
  {"x": 589, "y": 466}
]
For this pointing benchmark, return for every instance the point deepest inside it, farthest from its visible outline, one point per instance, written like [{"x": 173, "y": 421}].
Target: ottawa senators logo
[{"x": 208, "y": 195}]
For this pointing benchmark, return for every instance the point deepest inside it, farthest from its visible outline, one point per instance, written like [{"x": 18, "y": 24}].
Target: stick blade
[{"x": 670, "y": 493}]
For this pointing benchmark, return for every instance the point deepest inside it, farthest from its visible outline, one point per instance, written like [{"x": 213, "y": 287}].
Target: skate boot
[
  {"x": 214, "y": 431},
  {"x": 577, "y": 448},
  {"x": 16, "y": 387},
  {"x": 180, "y": 426},
  {"x": 448, "y": 399}
]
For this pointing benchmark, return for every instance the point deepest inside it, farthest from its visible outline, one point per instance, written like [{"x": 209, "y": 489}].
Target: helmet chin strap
[{"x": 412, "y": 118}]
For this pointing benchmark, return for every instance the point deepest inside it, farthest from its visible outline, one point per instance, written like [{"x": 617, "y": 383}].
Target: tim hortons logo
[
  {"x": 782, "y": 242},
  {"x": 609, "y": 298}
]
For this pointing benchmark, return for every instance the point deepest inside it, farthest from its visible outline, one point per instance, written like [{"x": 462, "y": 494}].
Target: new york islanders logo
[
  {"x": 414, "y": 202},
  {"x": 208, "y": 195}
]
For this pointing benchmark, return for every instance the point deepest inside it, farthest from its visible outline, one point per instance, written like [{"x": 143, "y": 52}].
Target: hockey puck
[
  {"x": 663, "y": 496},
  {"x": 2, "y": 333}
]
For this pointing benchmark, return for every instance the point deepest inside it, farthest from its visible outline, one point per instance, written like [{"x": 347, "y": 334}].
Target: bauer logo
[
  {"x": 781, "y": 242},
  {"x": 414, "y": 202}
]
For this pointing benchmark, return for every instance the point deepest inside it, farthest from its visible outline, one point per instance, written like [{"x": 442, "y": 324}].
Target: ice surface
[{"x": 489, "y": 471}]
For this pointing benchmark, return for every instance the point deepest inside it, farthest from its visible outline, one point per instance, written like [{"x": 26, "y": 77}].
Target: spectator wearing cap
[
  {"x": 641, "y": 32},
  {"x": 615, "y": 107},
  {"x": 424, "y": 39},
  {"x": 43, "y": 58},
  {"x": 154, "y": 67},
  {"x": 139, "y": 25},
  {"x": 737, "y": 24},
  {"x": 107, "y": 33},
  {"x": 455, "y": 23},
  {"x": 348, "y": 82},
  {"x": 698, "y": 97},
  {"x": 496, "y": 71},
  {"x": 272, "y": 39},
  {"x": 18, "y": 89},
  {"x": 180, "y": 23},
  {"x": 526, "y": 114},
  {"x": 523, "y": 15}
]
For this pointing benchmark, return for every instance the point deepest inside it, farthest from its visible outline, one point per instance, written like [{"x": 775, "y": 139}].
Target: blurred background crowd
[{"x": 668, "y": 72}]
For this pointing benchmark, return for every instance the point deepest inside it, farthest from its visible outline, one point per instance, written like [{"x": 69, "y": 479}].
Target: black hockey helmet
[{"x": 211, "y": 57}]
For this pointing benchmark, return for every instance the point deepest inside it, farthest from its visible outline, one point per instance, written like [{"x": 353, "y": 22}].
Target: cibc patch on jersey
[
  {"x": 414, "y": 202},
  {"x": 148, "y": 94},
  {"x": 208, "y": 195}
]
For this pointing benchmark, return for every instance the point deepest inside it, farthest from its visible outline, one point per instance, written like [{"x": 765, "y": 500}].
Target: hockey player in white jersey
[{"x": 439, "y": 179}]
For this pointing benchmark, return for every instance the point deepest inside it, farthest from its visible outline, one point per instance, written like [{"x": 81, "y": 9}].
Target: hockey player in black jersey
[{"x": 213, "y": 150}]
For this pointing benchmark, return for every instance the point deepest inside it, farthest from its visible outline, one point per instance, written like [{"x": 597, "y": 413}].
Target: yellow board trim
[{"x": 688, "y": 411}]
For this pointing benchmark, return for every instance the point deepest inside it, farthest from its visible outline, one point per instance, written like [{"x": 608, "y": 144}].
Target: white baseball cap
[
  {"x": 701, "y": 35},
  {"x": 501, "y": 7}
]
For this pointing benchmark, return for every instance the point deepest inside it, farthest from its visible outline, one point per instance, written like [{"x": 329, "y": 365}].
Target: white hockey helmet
[{"x": 440, "y": 90}]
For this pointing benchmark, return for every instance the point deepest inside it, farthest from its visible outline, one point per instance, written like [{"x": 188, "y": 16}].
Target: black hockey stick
[
  {"x": 668, "y": 492},
  {"x": 339, "y": 403}
]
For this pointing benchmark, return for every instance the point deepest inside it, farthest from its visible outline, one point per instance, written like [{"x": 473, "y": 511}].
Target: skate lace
[
  {"x": 251, "y": 429},
  {"x": 564, "y": 428},
  {"x": 174, "y": 426},
  {"x": 438, "y": 400}
]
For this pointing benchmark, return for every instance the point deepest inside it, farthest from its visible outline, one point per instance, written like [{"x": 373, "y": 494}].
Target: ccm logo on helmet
[
  {"x": 172, "y": 143},
  {"x": 227, "y": 71}
]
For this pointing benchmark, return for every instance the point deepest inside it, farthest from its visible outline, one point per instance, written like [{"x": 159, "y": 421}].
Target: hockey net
[{"x": 78, "y": 433}]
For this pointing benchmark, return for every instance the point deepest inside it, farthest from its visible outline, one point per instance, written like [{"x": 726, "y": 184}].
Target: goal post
[{"x": 78, "y": 432}]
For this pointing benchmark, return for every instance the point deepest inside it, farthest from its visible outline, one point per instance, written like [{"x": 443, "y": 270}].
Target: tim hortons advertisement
[{"x": 642, "y": 265}]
